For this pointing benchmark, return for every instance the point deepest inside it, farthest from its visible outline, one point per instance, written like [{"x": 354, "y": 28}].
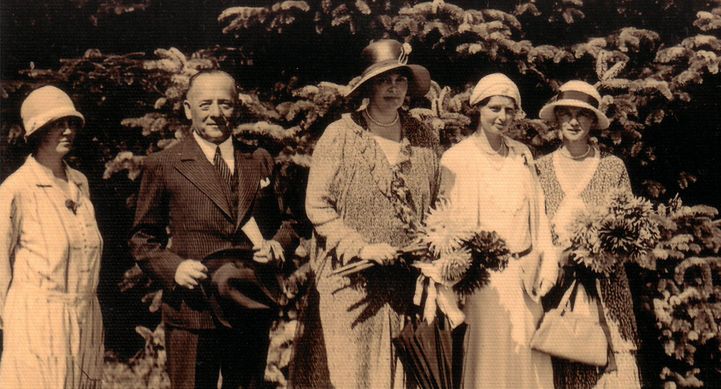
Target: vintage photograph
[{"x": 360, "y": 194}]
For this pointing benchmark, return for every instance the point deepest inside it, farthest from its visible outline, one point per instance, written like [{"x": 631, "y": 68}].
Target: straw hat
[
  {"x": 579, "y": 94},
  {"x": 387, "y": 54},
  {"x": 44, "y": 105}
]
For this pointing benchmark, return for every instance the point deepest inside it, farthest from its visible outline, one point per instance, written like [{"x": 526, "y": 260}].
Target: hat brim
[
  {"x": 41, "y": 121},
  {"x": 418, "y": 86},
  {"x": 238, "y": 286},
  {"x": 548, "y": 115}
]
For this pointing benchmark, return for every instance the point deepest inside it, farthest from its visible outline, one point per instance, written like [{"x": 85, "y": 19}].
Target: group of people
[{"x": 375, "y": 172}]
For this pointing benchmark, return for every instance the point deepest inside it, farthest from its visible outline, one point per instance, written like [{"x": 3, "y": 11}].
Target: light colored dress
[
  {"x": 500, "y": 194},
  {"x": 49, "y": 266},
  {"x": 348, "y": 202},
  {"x": 566, "y": 194}
]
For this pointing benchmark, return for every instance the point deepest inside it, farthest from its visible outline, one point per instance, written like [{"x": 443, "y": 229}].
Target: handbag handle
[{"x": 563, "y": 304}]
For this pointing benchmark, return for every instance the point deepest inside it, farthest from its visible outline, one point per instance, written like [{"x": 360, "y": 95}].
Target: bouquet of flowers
[
  {"x": 458, "y": 256},
  {"x": 623, "y": 229}
]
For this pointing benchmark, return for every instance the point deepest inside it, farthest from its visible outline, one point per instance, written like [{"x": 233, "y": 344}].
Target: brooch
[{"x": 71, "y": 205}]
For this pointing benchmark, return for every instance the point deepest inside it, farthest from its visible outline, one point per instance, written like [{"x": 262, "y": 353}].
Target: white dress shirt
[{"x": 226, "y": 150}]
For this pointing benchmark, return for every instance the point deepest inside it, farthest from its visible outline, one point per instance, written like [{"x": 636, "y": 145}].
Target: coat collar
[
  {"x": 45, "y": 177},
  {"x": 194, "y": 166}
]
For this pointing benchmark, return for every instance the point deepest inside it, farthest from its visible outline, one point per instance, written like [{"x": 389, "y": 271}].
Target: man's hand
[
  {"x": 380, "y": 253},
  {"x": 268, "y": 251},
  {"x": 189, "y": 273}
]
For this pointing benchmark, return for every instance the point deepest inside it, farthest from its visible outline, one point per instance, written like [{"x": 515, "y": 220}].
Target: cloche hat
[
  {"x": 45, "y": 104},
  {"x": 495, "y": 84},
  {"x": 388, "y": 54},
  {"x": 579, "y": 94}
]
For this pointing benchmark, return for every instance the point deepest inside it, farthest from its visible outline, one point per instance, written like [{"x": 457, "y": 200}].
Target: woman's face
[
  {"x": 59, "y": 136},
  {"x": 498, "y": 114},
  {"x": 388, "y": 90},
  {"x": 575, "y": 123}
]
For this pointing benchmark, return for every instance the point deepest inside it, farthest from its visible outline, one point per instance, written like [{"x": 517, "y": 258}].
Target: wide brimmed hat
[
  {"x": 238, "y": 286},
  {"x": 388, "y": 54},
  {"x": 44, "y": 105},
  {"x": 578, "y": 94}
]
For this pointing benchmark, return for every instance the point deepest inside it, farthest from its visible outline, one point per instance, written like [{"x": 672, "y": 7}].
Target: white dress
[
  {"x": 49, "y": 266},
  {"x": 499, "y": 194}
]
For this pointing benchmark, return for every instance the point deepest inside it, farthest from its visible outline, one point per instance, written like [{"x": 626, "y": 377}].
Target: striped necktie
[{"x": 222, "y": 167}]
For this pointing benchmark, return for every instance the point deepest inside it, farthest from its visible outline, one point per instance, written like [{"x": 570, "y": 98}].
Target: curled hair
[{"x": 365, "y": 90}]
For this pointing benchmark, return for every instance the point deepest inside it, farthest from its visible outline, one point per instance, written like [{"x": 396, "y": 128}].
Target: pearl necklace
[
  {"x": 567, "y": 154},
  {"x": 381, "y": 124}
]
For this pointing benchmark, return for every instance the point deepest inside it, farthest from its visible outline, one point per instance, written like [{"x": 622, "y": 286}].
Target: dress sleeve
[
  {"x": 447, "y": 177},
  {"x": 548, "y": 271},
  {"x": 9, "y": 232},
  {"x": 321, "y": 201}
]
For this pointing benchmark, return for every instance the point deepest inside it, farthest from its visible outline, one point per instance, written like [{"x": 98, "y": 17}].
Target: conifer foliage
[{"x": 656, "y": 64}]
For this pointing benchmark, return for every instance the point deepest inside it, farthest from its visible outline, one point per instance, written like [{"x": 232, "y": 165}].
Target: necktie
[{"x": 221, "y": 166}]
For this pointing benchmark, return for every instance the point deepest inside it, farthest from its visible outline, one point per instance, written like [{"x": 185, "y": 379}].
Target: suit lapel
[
  {"x": 194, "y": 166},
  {"x": 248, "y": 182}
]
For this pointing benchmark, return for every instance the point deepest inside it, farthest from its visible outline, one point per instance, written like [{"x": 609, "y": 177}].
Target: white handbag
[{"x": 573, "y": 332}]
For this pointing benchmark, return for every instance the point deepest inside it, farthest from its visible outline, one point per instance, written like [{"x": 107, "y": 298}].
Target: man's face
[{"x": 210, "y": 105}]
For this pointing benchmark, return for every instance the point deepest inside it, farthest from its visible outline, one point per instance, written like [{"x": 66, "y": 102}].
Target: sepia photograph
[{"x": 382, "y": 194}]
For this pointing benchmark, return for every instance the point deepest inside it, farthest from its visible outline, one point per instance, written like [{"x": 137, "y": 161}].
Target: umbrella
[{"x": 427, "y": 353}]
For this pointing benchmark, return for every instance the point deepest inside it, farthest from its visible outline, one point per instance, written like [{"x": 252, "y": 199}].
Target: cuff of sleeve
[{"x": 350, "y": 247}]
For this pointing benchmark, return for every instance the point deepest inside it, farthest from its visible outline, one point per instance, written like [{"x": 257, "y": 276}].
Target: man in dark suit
[{"x": 195, "y": 198}]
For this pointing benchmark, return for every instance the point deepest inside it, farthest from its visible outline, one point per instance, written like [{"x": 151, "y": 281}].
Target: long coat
[{"x": 184, "y": 211}]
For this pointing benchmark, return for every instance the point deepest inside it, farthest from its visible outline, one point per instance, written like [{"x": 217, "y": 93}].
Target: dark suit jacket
[{"x": 185, "y": 212}]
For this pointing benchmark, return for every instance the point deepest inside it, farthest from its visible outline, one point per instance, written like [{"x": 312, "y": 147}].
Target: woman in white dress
[
  {"x": 50, "y": 251},
  {"x": 491, "y": 178}
]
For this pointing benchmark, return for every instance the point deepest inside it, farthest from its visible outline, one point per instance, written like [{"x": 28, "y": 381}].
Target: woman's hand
[
  {"x": 380, "y": 253},
  {"x": 565, "y": 257}
]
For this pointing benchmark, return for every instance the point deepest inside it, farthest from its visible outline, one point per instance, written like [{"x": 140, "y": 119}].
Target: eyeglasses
[{"x": 62, "y": 124}]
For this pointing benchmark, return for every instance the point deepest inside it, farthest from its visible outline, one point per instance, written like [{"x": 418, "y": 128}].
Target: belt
[
  {"x": 523, "y": 253},
  {"x": 54, "y": 295}
]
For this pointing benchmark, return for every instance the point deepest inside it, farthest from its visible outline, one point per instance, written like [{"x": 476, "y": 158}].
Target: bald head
[{"x": 210, "y": 73}]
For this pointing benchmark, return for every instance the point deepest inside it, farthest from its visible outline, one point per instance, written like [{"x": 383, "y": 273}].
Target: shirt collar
[
  {"x": 46, "y": 176},
  {"x": 208, "y": 148},
  {"x": 482, "y": 142}
]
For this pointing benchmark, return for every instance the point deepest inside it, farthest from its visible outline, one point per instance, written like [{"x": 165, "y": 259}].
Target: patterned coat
[
  {"x": 348, "y": 201},
  {"x": 610, "y": 174}
]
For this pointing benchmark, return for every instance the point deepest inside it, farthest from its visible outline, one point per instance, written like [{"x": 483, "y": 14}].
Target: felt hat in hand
[{"x": 238, "y": 286}]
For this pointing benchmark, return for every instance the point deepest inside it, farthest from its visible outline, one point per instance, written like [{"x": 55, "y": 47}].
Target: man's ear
[{"x": 186, "y": 108}]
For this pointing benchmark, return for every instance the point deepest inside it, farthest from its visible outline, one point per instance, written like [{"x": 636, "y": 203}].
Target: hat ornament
[{"x": 405, "y": 52}]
